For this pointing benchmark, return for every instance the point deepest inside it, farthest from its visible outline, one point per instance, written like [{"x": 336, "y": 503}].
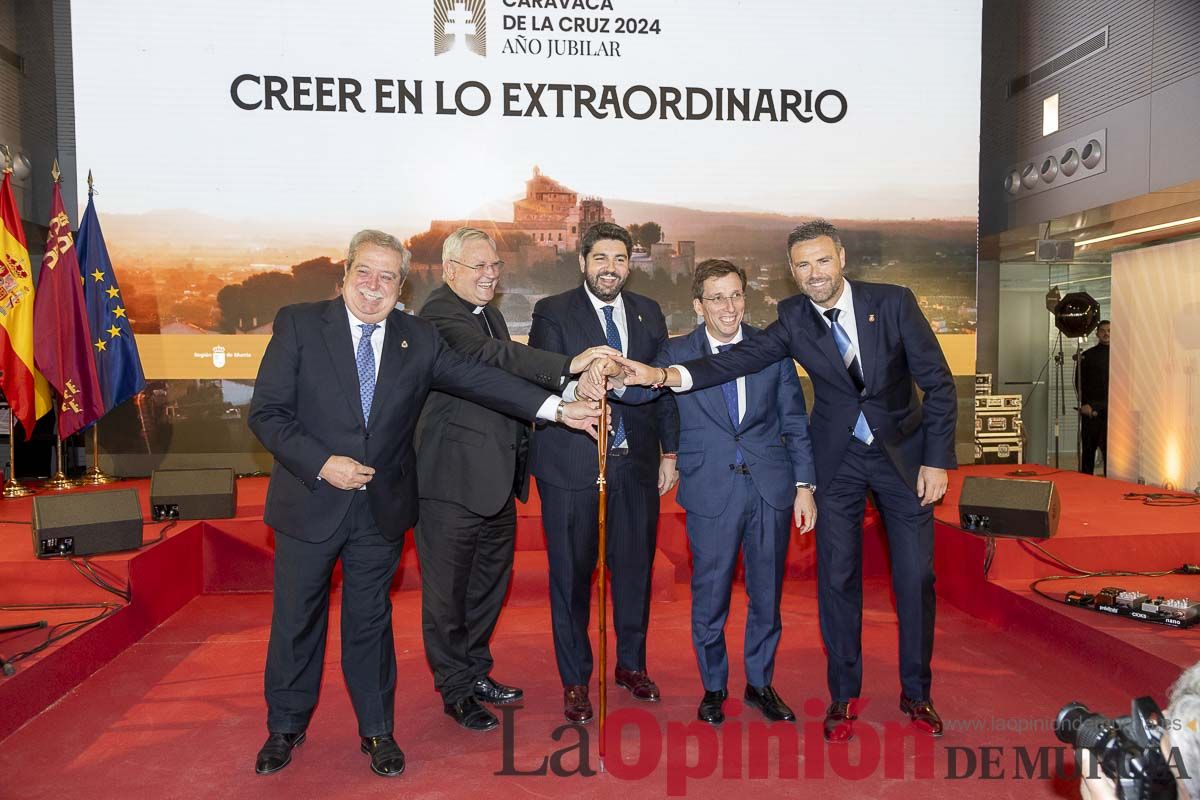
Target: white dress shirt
[{"x": 741, "y": 382}]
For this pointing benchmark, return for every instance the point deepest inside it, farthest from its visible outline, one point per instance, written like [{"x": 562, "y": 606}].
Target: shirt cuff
[
  {"x": 619, "y": 392},
  {"x": 568, "y": 392},
  {"x": 685, "y": 379},
  {"x": 548, "y": 408}
]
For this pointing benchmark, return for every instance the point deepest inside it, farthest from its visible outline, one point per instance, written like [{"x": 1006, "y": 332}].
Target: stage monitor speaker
[
  {"x": 193, "y": 493},
  {"x": 1009, "y": 507},
  {"x": 87, "y": 523}
]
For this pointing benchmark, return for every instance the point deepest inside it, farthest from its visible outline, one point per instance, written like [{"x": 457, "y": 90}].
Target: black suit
[
  {"x": 566, "y": 467},
  {"x": 471, "y": 461},
  {"x": 1093, "y": 391},
  {"x": 898, "y": 353},
  {"x": 306, "y": 408}
]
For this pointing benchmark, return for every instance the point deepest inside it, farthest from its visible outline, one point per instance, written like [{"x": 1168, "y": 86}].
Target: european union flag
[{"x": 117, "y": 362}]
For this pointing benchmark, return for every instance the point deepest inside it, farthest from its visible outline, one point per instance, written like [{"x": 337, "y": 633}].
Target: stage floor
[
  {"x": 180, "y": 715},
  {"x": 165, "y": 697}
]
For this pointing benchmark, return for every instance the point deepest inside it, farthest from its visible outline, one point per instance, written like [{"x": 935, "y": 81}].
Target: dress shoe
[
  {"x": 839, "y": 722},
  {"x": 711, "y": 710},
  {"x": 768, "y": 701},
  {"x": 638, "y": 683},
  {"x": 276, "y": 753},
  {"x": 923, "y": 715},
  {"x": 490, "y": 691},
  {"x": 576, "y": 706},
  {"x": 472, "y": 716},
  {"x": 387, "y": 759}
]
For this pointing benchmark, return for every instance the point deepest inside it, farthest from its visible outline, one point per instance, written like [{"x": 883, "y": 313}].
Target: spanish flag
[{"x": 26, "y": 390}]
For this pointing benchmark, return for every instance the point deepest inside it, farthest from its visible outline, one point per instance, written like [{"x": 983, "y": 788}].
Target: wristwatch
[
  {"x": 558, "y": 411},
  {"x": 812, "y": 487}
]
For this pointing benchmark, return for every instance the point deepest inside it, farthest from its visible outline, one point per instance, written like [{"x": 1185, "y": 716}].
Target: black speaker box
[
  {"x": 193, "y": 493},
  {"x": 87, "y": 523},
  {"x": 1009, "y": 507}
]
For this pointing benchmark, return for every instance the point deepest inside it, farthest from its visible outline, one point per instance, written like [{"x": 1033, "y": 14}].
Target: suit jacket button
[
  {"x": 367, "y": 435},
  {"x": 737, "y": 438},
  {"x": 512, "y": 447}
]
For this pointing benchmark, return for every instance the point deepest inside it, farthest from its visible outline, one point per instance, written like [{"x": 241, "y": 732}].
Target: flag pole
[
  {"x": 13, "y": 488},
  {"x": 602, "y": 578},
  {"x": 59, "y": 481},
  {"x": 96, "y": 476}
]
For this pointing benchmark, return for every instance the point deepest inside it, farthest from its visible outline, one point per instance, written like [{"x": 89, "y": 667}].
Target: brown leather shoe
[
  {"x": 923, "y": 715},
  {"x": 839, "y": 723},
  {"x": 576, "y": 706},
  {"x": 638, "y": 683}
]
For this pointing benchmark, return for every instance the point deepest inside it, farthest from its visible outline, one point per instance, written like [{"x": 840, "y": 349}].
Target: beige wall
[{"x": 1154, "y": 382}]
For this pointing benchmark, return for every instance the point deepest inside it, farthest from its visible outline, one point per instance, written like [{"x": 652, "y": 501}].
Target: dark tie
[
  {"x": 614, "y": 341},
  {"x": 729, "y": 389},
  {"x": 366, "y": 370},
  {"x": 862, "y": 431}
]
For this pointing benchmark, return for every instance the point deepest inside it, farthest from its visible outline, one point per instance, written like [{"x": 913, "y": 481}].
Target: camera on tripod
[{"x": 1128, "y": 749}]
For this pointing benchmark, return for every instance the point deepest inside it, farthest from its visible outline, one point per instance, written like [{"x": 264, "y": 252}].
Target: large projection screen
[{"x": 237, "y": 146}]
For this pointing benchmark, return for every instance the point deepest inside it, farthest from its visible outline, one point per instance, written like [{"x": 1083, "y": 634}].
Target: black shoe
[
  {"x": 276, "y": 753},
  {"x": 387, "y": 759},
  {"x": 490, "y": 691},
  {"x": 768, "y": 701},
  {"x": 472, "y": 716},
  {"x": 711, "y": 710}
]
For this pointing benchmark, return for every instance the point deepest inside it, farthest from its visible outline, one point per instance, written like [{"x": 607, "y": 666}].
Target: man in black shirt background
[{"x": 1093, "y": 401}]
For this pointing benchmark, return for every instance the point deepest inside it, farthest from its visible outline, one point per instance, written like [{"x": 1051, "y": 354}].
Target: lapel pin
[
  {"x": 404, "y": 342},
  {"x": 870, "y": 317},
  {"x": 639, "y": 317}
]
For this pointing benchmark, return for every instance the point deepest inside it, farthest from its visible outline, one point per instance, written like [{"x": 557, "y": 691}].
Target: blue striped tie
[
  {"x": 614, "y": 341},
  {"x": 862, "y": 431},
  {"x": 366, "y": 370},
  {"x": 729, "y": 389}
]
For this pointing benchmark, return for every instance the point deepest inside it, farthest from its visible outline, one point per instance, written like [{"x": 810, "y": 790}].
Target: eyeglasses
[
  {"x": 496, "y": 266},
  {"x": 721, "y": 299}
]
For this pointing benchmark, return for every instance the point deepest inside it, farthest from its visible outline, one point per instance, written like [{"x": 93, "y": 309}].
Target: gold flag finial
[
  {"x": 8, "y": 161},
  {"x": 55, "y": 172},
  {"x": 91, "y": 187}
]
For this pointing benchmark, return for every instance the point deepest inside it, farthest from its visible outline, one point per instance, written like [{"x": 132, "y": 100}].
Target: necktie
[
  {"x": 862, "y": 431},
  {"x": 614, "y": 341},
  {"x": 366, "y": 370},
  {"x": 729, "y": 389}
]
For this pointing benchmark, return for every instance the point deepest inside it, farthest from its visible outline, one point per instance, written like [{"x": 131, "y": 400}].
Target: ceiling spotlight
[
  {"x": 1070, "y": 162},
  {"x": 1091, "y": 154},
  {"x": 1029, "y": 176},
  {"x": 1049, "y": 169}
]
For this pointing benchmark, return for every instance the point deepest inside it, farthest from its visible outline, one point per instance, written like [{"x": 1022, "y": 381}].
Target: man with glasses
[
  {"x": 745, "y": 470},
  {"x": 471, "y": 462},
  {"x": 599, "y": 312}
]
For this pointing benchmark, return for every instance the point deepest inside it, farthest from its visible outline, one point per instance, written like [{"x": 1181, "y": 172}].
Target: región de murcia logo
[{"x": 460, "y": 25}]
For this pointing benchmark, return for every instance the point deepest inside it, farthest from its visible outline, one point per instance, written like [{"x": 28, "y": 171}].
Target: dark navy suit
[
  {"x": 566, "y": 468},
  {"x": 898, "y": 353},
  {"x": 730, "y": 510}
]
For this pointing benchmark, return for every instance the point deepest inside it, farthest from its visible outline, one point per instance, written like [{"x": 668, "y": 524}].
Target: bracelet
[
  {"x": 660, "y": 384},
  {"x": 672, "y": 456},
  {"x": 558, "y": 411}
]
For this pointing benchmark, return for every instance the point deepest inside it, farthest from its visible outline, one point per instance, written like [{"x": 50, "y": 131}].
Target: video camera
[{"x": 1126, "y": 748}]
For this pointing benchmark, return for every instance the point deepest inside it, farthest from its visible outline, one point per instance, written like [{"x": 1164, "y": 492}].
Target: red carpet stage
[{"x": 164, "y": 697}]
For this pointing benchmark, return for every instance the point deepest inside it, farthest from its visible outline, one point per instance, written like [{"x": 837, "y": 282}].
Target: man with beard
[
  {"x": 866, "y": 347},
  {"x": 472, "y": 462},
  {"x": 599, "y": 313}
]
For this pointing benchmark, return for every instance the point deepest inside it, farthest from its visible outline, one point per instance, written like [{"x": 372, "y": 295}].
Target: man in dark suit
[
  {"x": 566, "y": 468},
  {"x": 866, "y": 347},
  {"x": 471, "y": 463},
  {"x": 745, "y": 469},
  {"x": 336, "y": 402},
  {"x": 1093, "y": 401}
]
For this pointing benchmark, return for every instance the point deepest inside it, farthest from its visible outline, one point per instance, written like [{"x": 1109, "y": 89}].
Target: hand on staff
[
  {"x": 635, "y": 373},
  {"x": 931, "y": 484},
  {"x": 343, "y": 472},
  {"x": 804, "y": 511},
  {"x": 584, "y": 360},
  {"x": 668, "y": 475},
  {"x": 584, "y": 415}
]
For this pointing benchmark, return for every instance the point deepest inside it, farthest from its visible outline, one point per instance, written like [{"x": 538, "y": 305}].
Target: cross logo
[{"x": 460, "y": 26}]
